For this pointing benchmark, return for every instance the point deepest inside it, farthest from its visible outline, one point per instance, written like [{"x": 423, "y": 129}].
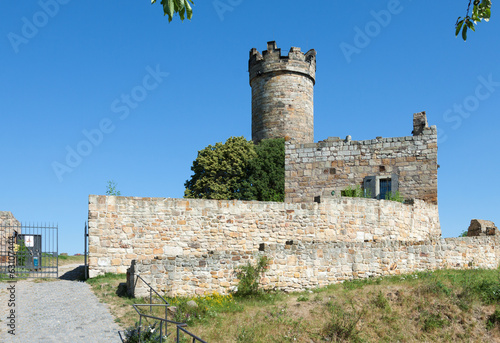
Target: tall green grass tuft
[{"x": 341, "y": 325}]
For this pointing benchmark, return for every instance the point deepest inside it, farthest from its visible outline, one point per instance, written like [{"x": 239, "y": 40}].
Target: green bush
[
  {"x": 394, "y": 196},
  {"x": 249, "y": 277},
  {"x": 143, "y": 334},
  {"x": 356, "y": 192}
]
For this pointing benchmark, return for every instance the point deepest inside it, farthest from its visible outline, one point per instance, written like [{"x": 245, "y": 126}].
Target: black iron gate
[{"x": 28, "y": 251}]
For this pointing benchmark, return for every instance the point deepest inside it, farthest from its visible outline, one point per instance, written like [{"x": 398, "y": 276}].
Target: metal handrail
[
  {"x": 180, "y": 326},
  {"x": 150, "y": 289},
  {"x": 166, "y": 304},
  {"x": 195, "y": 338},
  {"x": 153, "y": 317}
]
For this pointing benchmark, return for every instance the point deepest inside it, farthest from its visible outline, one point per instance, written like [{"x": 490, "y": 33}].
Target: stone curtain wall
[
  {"x": 122, "y": 229},
  {"x": 333, "y": 165},
  {"x": 302, "y": 266}
]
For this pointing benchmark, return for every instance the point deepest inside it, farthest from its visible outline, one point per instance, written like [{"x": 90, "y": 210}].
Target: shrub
[
  {"x": 464, "y": 233},
  {"x": 356, "y": 192},
  {"x": 394, "y": 196},
  {"x": 249, "y": 277},
  {"x": 143, "y": 334}
]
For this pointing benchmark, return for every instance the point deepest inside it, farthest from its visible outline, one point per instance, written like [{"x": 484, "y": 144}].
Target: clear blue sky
[{"x": 84, "y": 67}]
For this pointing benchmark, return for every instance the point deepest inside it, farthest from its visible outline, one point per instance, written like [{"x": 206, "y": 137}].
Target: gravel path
[{"x": 57, "y": 311}]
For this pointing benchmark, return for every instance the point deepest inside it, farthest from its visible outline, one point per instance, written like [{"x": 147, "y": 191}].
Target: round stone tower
[{"x": 282, "y": 94}]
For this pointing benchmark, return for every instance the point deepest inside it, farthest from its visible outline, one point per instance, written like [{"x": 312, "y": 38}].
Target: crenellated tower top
[
  {"x": 271, "y": 61},
  {"x": 282, "y": 93}
]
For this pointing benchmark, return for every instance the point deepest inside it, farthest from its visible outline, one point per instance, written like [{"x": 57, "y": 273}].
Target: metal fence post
[{"x": 85, "y": 238}]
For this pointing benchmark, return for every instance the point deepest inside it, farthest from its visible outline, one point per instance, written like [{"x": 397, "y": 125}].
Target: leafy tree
[
  {"x": 220, "y": 170},
  {"x": 480, "y": 11},
  {"x": 239, "y": 170},
  {"x": 111, "y": 188},
  {"x": 181, "y": 7},
  {"x": 266, "y": 180}
]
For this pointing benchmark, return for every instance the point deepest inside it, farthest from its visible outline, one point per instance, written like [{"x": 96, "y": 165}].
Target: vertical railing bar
[
  {"x": 85, "y": 235},
  {"x": 48, "y": 251},
  {"x": 178, "y": 326},
  {"x": 46, "y": 237},
  {"x": 140, "y": 325},
  {"x": 166, "y": 318},
  {"x": 57, "y": 250},
  {"x": 42, "y": 232},
  {"x": 43, "y": 248}
]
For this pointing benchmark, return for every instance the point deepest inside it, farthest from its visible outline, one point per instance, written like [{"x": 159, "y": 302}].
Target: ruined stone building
[
  {"x": 282, "y": 106},
  {"x": 317, "y": 236}
]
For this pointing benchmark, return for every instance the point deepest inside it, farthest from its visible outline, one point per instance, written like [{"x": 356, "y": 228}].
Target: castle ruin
[{"x": 316, "y": 237}]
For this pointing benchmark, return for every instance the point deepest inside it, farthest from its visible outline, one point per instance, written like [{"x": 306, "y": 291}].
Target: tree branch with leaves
[
  {"x": 481, "y": 10},
  {"x": 180, "y": 7}
]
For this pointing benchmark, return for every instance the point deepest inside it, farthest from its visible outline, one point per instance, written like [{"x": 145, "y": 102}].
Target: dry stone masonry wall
[
  {"x": 295, "y": 267},
  {"x": 122, "y": 229}
]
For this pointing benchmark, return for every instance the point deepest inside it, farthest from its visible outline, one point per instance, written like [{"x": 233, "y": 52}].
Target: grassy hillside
[
  {"x": 441, "y": 306},
  {"x": 65, "y": 260}
]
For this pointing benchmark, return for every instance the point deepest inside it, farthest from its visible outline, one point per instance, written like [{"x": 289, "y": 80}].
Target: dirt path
[{"x": 62, "y": 310}]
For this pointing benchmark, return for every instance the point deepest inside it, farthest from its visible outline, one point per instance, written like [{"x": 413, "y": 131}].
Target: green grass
[
  {"x": 63, "y": 260},
  {"x": 440, "y": 306}
]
